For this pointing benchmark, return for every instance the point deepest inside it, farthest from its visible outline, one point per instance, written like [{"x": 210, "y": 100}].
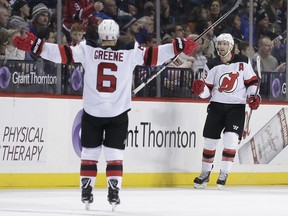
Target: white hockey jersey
[
  {"x": 229, "y": 83},
  {"x": 108, "y": 73}
]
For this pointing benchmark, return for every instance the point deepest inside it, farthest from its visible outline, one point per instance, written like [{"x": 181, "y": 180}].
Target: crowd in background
[{"x": 137, "y": 18}]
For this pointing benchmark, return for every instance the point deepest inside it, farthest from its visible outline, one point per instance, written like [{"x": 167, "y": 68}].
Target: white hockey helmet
[
  {"x": 108, "y": 30},
  {"x": 228, "y": 38}
]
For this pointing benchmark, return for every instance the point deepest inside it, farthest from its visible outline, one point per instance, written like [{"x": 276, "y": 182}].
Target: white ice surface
[{"x": 231, "y": 201}]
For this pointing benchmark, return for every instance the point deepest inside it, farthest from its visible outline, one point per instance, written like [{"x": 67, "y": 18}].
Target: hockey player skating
[
  {"x": 106, "y": 96},
  {"x": 231, "y": 83}
]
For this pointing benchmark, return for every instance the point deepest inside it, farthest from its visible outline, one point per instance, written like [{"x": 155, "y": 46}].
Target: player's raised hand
[
  {"x": 29, "y": 44},
  {"x": 184, "y": 45}
]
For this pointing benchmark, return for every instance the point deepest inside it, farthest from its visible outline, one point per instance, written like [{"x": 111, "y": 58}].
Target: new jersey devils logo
[{"x": 228, "y": 82}]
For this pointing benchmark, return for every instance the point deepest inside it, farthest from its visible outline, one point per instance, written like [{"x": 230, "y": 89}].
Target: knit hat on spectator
[
  {"x": 260, "y": 15},
  {"x": 149, "y": 4},
  {"x": 126, "y": 21},
  {"x": 18, "y": 4},
  {"x": 38, "y": 9}
]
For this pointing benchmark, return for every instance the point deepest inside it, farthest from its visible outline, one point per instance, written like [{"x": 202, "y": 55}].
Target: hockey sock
[
  {"x": 114, "y": 170},
  {"x": 88, "y": 170},
  {"x": 208, "y": 155},
  {"x": 228, "y": 156}
]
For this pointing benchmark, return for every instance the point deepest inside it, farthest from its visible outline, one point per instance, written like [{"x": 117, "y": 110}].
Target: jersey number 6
[{"x": 106, "y": 83}]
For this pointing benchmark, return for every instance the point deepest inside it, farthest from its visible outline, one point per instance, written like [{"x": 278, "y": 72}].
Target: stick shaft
[
  {"x": 256, "y": 93},
  {"x": 163, "y": 67}
]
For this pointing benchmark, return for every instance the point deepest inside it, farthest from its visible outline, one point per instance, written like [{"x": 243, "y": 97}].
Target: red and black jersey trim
[
  {"x": 210, "y": 87},
  {"x": 151, "y": 56},
  {"x": 66, "y": 54},
  {"x": 253, "y": 81}
]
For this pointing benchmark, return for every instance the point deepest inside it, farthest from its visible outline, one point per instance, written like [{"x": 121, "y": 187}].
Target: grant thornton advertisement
[{"x": 42, "y": 135}]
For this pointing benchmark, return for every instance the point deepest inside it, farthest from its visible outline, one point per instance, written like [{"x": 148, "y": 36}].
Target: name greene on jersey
[{"x": 108, "y": 55}]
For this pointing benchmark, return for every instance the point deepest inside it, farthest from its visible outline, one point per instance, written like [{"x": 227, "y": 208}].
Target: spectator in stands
[
  {"x": 172, "y": 85},
  {"x": 131, "y": 28},
  {"x": 110, "y": 11},
  {"x": 244, "y": 49},
  {"x": 128, "y": 6},
  {"x": 244, "y": 17},
  {"x": 199, "y": 13},
  {"x": 174, "y": 30},
  {"x": 273, "y": 10},
  {"x": 149, "y": 9},
  {"x": 51, "y": 4},
  {"x": 20, "y": 14},
  {"x": 151, "y": 40},
  {"x": 215, "y": 11},
  {"x": 47, "y": 34},
  {"x": 187, "y": 30},
  {"x": 279, "y": 49},
  {"x": 199, "y": 60},
  {"x": 76, "y": 11},
  {"x": 263, "y": 27},
  {"x": 268, "y": 62},
  {"x": 5, "y": 3},
  {"x": 208, "y": 47},
  {"x": 40, "y": 18},
  {"x": 4, "y": 17},
  {"x": 167, "y": 38},
  {"x": 53, "y": 21},
  {"x": 3, "y": 43},
  {"x": 148, "y": 23},
  {"x": 76, "y": 34},
  {"x": 233, "y": 26},
  {"x": 11, "y": 51},
  {"x": 166, "y": 18}
]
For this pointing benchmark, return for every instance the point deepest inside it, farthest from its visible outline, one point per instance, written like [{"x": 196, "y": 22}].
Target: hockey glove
[
  {"x": 254, "y": 102},
  {"x": 29, "y": 44},
  {"x": 198, "y": 86},
  {"x": 184, "y": 45}
]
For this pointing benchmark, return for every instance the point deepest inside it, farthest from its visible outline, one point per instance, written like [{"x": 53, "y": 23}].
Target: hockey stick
[
  {"x": 246, "y": 132},
  {"x": 164, "y": 65}
]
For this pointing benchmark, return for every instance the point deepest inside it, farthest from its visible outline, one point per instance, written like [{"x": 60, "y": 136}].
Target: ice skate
[
  {"x": 86, "y": 194},
  {"x": 221, "y": 181},
  {"x": 113, "y": 191},
  {"x": 201, "y": 181}
]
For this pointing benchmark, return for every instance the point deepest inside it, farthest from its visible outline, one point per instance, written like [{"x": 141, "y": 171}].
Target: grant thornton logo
[
  {"x": 76, "y": 80},
  {"x": 5, "y": 77},
  {"x": 76, "y": 133}
]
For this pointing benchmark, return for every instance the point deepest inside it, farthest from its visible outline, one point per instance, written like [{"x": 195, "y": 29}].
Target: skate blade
[
  {"x": 200, "y": 186},
  {"x": 87, "y": 205},
  {"x": 113, "y": 206},
  {"x": 220, "y": 187}
]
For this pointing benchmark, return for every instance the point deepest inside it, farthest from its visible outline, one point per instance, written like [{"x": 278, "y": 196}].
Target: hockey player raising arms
[
  {"x": 231, "y": 82},
  {"x": 106, "y": 96}
]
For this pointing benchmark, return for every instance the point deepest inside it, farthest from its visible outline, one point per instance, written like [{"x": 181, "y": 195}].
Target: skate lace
[
  {"x": 204, "y": 175},
  {"x": 222, "y": 176}
]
